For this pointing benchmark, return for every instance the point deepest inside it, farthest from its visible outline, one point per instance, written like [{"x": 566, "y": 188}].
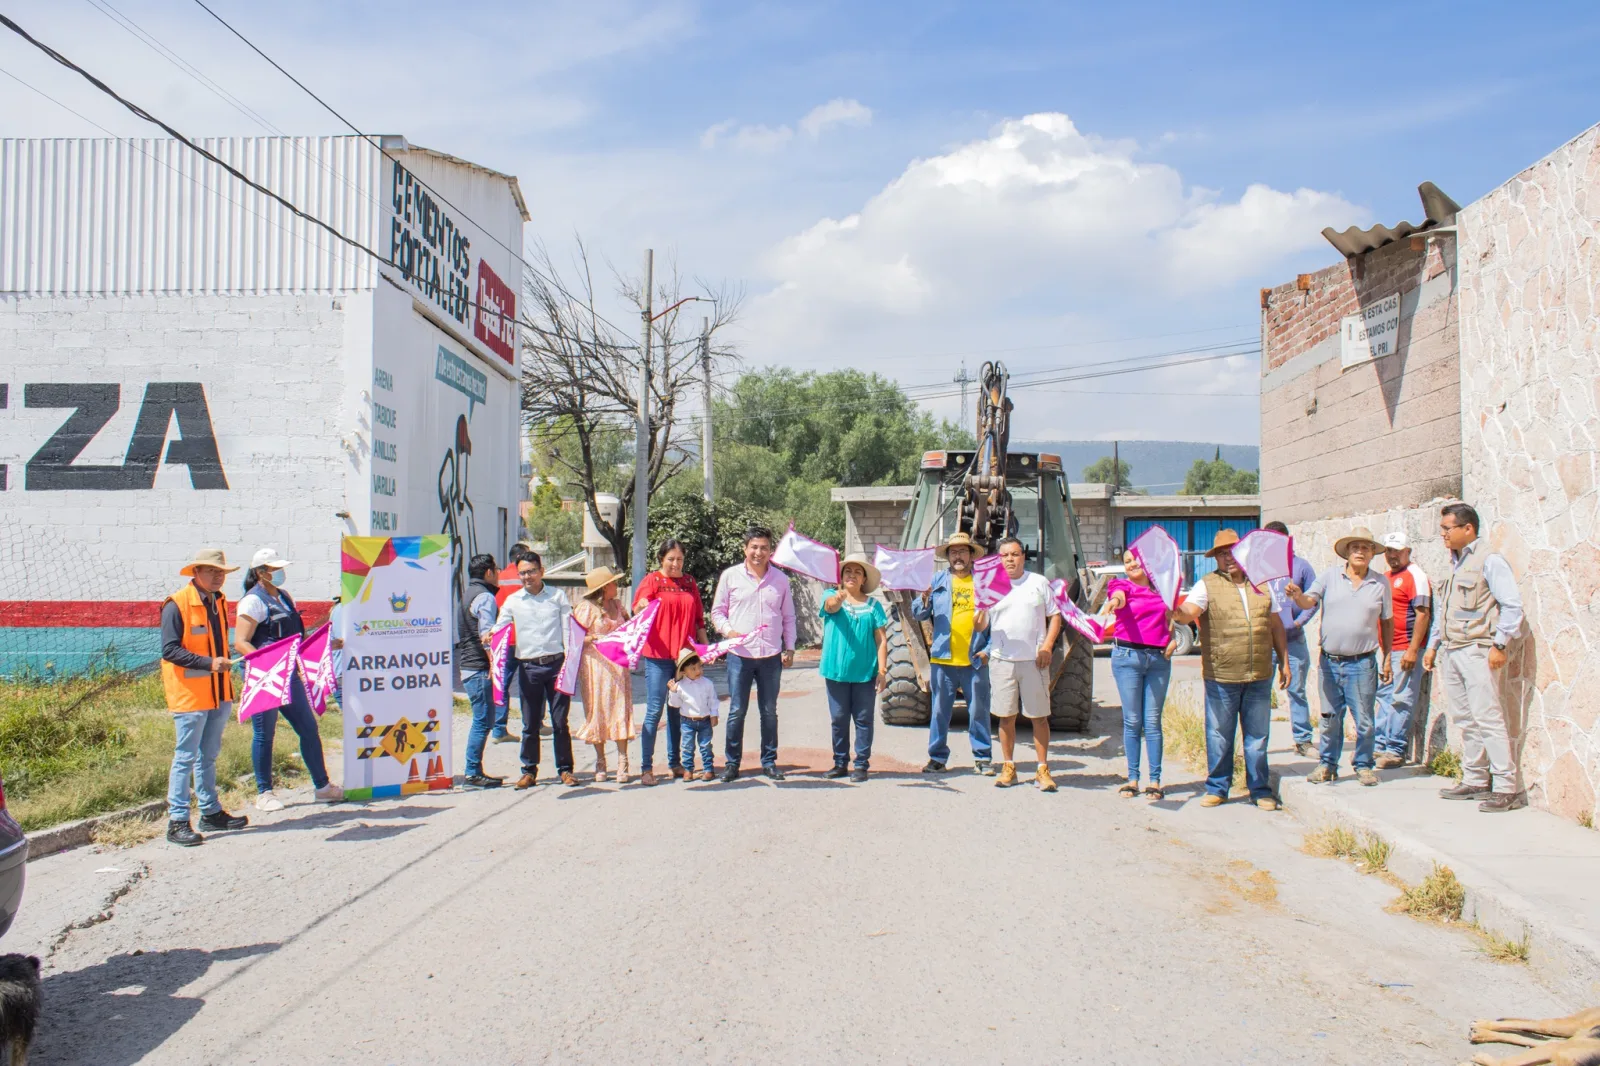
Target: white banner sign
[{"x": 1372, "y": 334}]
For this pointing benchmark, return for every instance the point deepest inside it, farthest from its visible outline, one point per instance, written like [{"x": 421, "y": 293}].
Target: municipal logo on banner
[
  {"x": 1158, "y": 553},
  {"x": 1093, "y": 629},
  {"x": 572, "y": 648},
  {"x": 910, "y": 571},
  {"x": 712, "y": 652},
  {"x": 802, "y": 555},
  {"x": 501, "y": 638},
  {"x": 268, "y": 673},
  {"x": 625, "y": 644},
  {"x": 990, "y": 582},
  {"x": 316, "y": 666}
]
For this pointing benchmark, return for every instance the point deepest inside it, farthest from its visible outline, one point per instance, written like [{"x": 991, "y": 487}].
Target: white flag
[
  {"x": 1074, "y": 616},
  {"x": 710, "y": 653},
  {"x": 990, "y": 582},
  {"x": 572, "y": 646},
  {"x": 805, "y": 556},
  {"x": 909, "y": 570},
  {"x": 1264, "y": 556},
  {"x": 1158, "y": 553}
]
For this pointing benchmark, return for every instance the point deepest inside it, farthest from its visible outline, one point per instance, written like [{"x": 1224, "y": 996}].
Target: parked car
[
  {"x": 1186, "y": 635},
  {"x": 13, "y": 863}
]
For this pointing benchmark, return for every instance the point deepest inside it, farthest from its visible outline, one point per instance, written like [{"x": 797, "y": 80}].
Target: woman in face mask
[{"x": 266, "y": 615}]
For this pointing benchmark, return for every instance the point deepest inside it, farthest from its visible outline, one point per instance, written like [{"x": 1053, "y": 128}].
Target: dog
[
  {"x": 1570, "y": 1041},
  {"x": 19, "y": 1005}
]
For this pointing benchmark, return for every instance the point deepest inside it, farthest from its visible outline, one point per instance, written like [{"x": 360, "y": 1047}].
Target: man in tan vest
[
  {"x": 1480, "y": 612},
  {"x": 1239, "y": 631}
]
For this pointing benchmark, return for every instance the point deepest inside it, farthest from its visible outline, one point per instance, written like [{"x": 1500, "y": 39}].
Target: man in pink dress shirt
[{"x": 752, "y": 594}]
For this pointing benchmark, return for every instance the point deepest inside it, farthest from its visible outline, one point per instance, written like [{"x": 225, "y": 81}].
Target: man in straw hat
[
  {"x": 198, "y": 678},
  {"x": 1239, "y": 634},
  {"x": 1357, "y": 620},
  {"x": 959, "y": 657}
]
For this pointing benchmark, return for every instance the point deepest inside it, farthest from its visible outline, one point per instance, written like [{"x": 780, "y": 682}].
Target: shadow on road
[
  {"x": 337, "y": 816},
  {"x": 117, "y": 1012}
]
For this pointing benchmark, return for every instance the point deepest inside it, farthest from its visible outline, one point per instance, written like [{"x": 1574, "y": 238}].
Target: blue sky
[{"x": 909, "y": 186}]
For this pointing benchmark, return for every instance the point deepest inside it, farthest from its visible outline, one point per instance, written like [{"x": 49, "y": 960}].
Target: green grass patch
[
  {"x": 1501, "y": 948},
  {"x": 73, "y": 749},
  {"x": 1447, "y": 763},
  {"x": 1440, "y": 897}
]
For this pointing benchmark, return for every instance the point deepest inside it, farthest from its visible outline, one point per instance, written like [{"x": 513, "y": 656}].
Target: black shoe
[
  {"x": 482, "y": 781},
  {"x": 218, "y": 821},
  {"x": 837, "y": 772},
  {"x": 183, "y": 835},
  {"x": 934, "y": 767},
  {"x": 773, "y": 772},
  {"x": 1501, "y": 802},
  {"x": 1464, "y": 792},
  {"x": 729, "y": 775},
  {"x": 858, "y": 776}
]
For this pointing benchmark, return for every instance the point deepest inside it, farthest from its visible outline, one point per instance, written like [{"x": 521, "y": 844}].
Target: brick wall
[
  {"x": 870, "y": 522},
  {"x": 1377, "y": 435}
]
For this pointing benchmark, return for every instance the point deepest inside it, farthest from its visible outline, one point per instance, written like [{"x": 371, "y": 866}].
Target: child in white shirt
[{"x": 695, "y": 696}]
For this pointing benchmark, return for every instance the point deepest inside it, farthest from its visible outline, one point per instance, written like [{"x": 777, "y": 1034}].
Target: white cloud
[{"x": 835, "y": 112}]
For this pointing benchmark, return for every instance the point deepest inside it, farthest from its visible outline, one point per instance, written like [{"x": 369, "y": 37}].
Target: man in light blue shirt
[
  {"x": 1294, "y": 622},
  {"x": 540, "y": 613}
]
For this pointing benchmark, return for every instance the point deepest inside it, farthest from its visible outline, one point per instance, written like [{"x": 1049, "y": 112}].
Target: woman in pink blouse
[{"x": 1141, "y": 663}]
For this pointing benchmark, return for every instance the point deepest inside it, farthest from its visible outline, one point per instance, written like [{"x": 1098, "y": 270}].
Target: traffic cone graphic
[{"x": 413, "y": 779}]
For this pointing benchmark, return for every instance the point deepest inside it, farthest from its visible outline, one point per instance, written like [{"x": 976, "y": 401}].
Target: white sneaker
[
  {"x": 330, "y": 793},
  {"x": 268, "y": 802}
]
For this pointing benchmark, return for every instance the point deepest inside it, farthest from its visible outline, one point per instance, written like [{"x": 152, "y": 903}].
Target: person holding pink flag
[
  {"x": 266, "y": 615},
  {"x": 605, "y": 686},
  {"x": 855, "y": 661},
  {"x": 749, "y": 595},
  {"x": 680, "y": 620},
  {"x": 1141, "y": 663}
]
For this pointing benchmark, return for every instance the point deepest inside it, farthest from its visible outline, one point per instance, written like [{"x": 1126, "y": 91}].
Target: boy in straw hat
[
  {"x": 696, "y": 699},
  {"x": 959, "y": 657}
]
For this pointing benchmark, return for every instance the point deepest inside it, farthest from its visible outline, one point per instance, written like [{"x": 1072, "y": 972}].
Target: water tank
[{"x": 610, "y": 509}]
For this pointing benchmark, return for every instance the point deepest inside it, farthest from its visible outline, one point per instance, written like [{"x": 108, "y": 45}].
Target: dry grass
[
  {"x": 1447, "y": 763},
  {"x": 1183, "y": 732},
  {"x": 1503, "y": 949},
  {"x": 1586, "y": 819},
  {"x": 1368, "y": 851},
  {"x": 1439, "y": 898},
  {"x": 126, "y": 832}
]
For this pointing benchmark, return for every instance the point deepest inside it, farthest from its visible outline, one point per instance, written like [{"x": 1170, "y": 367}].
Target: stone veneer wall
[{"x": 1530, "y": 397}]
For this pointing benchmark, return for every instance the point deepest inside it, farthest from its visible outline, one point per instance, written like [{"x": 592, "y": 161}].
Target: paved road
[{"x": 905, "y": 920}]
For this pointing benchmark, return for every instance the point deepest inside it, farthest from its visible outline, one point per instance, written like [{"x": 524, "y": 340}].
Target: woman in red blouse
[{"x": 680, "y": 617}]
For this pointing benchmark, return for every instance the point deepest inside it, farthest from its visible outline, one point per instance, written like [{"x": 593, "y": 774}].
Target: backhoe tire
[
  {"x": 1072, "y": 698},
  {"x": 902, "y": 701}
]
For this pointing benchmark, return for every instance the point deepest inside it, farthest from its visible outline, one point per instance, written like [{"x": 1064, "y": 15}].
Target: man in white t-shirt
[{"x": 1023, "y": 628}]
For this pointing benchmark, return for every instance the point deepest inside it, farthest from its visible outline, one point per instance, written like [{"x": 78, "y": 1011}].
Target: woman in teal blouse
[{"x": 855, "y": 661}]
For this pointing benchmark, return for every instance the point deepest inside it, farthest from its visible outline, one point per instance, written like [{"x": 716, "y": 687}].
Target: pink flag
[
  {"x": 316, "y": 666},
  {"x": 572, "y": 646},
  {"x": 268, "y": 673},
  {"x": 1158, "y": 553},
  {"x": 1073, "y": 615},
  {"x": 624, "y": 644},
  {"x": 1264, "y": 556},
  {"x": 910, "y": 570},
  {"x": 990, "y": 582},
  {"x": 501, "y": 639},
  {"x": 712, "y": 652},
  {"x": 805, "y": 556}
]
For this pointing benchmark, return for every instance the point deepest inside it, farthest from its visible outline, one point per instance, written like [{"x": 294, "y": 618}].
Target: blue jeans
[
  {"x": 852, "y": 701},
  {"x": 974, "y": 681},
  {"x": 536, "y": 684},
  {"x": 1299, "y": 667},
  {"x": 480, "y": 693},
  {"x": 194, "y": 758},
  {"x": 1395, "y": 702},
  {"x": 657, "y": 672},
  {"x": 1141, "y": 675},
  {"x": 1348, "y": 686},
  {"x": 695, "y": 732},
  {"x": 1244, "y": 707},
  {"x": 297, "y": 712},
  {"x": 766, "y": 673}
]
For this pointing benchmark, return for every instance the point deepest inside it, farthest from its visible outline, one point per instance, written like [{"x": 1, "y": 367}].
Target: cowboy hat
[
  {"x": 1341, "y": 547},
  {"x": 857, "y": 559},
  {"x": 958, "y": 540},
  {"x": 599, "y": 578},
  {"x": 685, "y": 657},
  {"x": 208, "y": 557},
  {"x": 1225, "y": 538}
]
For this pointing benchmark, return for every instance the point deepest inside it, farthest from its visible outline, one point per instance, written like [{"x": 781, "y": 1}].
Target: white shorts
[{"x": 1010, "y": 682}]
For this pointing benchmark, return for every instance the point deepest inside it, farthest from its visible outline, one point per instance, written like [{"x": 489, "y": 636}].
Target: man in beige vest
[
  {"x": 1239, "y": 631},
  {"x": 1480, "y": 612}
]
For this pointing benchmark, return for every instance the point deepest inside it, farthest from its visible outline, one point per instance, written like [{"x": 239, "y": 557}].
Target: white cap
[
  {"x": 1393, "y": 541},
  {"x": 268, "y": 557}
]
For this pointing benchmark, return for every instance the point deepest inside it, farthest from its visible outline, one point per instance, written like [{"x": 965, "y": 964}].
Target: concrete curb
[
  {"x": 1565, "y": 956},
  {"x": 77, "y": 834}
]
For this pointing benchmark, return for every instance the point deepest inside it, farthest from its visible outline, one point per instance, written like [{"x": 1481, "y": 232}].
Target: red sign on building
[{"x": 495, "y": 321}]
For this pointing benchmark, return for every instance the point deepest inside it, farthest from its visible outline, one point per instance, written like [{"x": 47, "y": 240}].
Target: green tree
[
  {"x": 1099, "y": 472},
  {"x": 712, "y": 535},
  {"x": 550, "y": 524},
  {"x": 1219, "y": 478}
]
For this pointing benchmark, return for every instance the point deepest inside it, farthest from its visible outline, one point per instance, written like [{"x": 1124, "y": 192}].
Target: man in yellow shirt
[{"x": 959, "y": 657}]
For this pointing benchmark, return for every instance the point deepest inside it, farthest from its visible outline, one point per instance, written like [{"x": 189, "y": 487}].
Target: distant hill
[{"x": 1158, "y": 465}]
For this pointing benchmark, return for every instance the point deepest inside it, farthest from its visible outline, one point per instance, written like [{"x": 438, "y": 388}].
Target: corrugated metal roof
[
  {"x": 1437, "y": 209},
  {"x": 516, "y": 186}
]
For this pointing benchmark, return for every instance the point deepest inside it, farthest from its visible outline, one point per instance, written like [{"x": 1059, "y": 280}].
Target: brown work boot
[
  {"x": 1042, "y": 778},
  {"x": 1008, "y": 775},
  {"x": 525, "y": 781},
  {"x": 568, "y": 778},
  {"x": 1266, "y": 803},
  {"x": 1465, "y": 792},
  {"x": 1211, "y": 799},
  {"x": 708, "y": 775},
  {"x": 1500, "y": 802},
  {"x": 1322, "y": 774},
  {"x": 1367, "y": 777},
  {"x": 647, "y": 778},
  {"x": 1388, "y": 760},
  {"x": 680, "y": 774}
]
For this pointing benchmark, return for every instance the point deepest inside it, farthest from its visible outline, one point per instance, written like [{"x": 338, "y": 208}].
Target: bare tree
[{"x": 580, "y": 381}]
